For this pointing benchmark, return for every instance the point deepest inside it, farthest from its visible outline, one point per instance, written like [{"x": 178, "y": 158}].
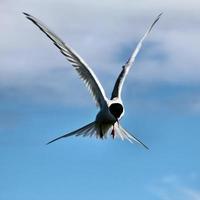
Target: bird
[{"x": 111, "y": 110}]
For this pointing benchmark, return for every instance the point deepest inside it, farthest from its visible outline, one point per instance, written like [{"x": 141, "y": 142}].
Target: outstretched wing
[
  {"x": 87, "y": 130},
  {"x": 84, "y": 71},
  {"x": 125, "y": 69}
]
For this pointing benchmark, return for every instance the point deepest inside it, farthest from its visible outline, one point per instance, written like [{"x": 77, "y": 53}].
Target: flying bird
[{"x": 110, "y": 110}]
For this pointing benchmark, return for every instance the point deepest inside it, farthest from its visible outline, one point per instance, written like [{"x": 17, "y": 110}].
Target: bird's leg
[
  {"x": 113, "y": 131},
  {"x": 101, "y": 133}
]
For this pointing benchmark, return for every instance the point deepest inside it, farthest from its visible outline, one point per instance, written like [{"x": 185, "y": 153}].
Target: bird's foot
[{"x": 113, "y": 133}]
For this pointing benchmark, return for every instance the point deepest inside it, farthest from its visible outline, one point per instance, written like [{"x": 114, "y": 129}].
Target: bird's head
[{"x": 116, "y": 109}]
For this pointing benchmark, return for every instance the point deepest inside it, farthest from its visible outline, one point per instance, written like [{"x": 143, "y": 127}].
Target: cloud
[
  {"x": 173, "y": 187},
  {"x": 103, "y": 33}
]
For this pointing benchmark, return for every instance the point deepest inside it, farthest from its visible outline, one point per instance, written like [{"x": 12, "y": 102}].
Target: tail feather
[
  {"x": 130, "y": 137},
  {"x": 87, "y": 130}
]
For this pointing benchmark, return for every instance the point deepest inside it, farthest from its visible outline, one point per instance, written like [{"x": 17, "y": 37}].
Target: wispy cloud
[
  {"x": 173, "y": 187},
  {"x": 99, "y": 32}
]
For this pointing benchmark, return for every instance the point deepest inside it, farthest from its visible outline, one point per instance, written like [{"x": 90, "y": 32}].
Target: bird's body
[
  {"x": 111, "y": 110},
  {"x": 108, "y": 117}
]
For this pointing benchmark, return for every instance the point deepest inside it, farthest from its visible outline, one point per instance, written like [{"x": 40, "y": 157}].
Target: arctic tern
[{"x": 111, "y": 110}]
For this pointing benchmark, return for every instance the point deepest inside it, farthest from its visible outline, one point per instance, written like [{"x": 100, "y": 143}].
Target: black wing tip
[
  {"x": 160, "y": 14},
  {"x": 52, "y": 141},
  {"x": 26, "y": 14},
  {"x": 48, "y": 143},
  {"x": 158, "y": 17},
  {"x": 30, "y": 17},
  {"x": 156, "y": 20}
]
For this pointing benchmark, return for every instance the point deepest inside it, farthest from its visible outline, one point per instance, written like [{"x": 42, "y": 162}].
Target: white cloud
[
  {"x": 98, "y": 31},
  {"x": 173, "y": 187}
]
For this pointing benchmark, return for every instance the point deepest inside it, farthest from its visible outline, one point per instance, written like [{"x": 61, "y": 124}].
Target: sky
[{"x": 41, "y": 97}]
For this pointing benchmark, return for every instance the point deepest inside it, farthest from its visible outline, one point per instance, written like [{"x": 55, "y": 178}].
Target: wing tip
[
  {"x": 49, "y": 142},
  {"x": 30, "y": 17},
  {"x": 160, "y": 15},
  {"x": 54, "y": 140},
  {"x": 26, "y": 14}
]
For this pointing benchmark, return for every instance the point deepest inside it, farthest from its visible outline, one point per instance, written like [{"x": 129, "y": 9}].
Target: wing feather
[
  {"x": 87, "y": 130},
  {"x": 125, "y": 69},
  {"x": 84, "y": 71}
]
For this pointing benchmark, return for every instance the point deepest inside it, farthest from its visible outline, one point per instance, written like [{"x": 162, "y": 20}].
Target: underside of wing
[
  {"x": 84, "y": 71},
  {"x": 125, "y": 69},
  {"x": 87, "y": 130}
]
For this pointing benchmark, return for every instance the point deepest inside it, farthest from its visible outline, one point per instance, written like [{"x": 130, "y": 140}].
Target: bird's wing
[
  {"x": 125, "y": 69},
  {"x": 84, "y": 71},
  {"x": 123, "y": 134},
  {"x": 87, "y": 130}
]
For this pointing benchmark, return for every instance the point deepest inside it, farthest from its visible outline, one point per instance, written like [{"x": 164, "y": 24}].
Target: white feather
[
  {"x": 104, "y": 119},
  {"x": 125, "y": 69},
  {"x": 84, "y": 71}
]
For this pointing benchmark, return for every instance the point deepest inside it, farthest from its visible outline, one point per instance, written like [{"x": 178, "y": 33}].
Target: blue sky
[{"x": 42, "y": 98}]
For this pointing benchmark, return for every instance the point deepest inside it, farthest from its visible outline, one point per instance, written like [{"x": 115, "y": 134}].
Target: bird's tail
[{"x": 123, "y": 134}]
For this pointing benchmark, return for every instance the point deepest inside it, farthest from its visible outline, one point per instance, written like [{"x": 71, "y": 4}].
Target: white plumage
[{"x": 111, "y": 110}]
